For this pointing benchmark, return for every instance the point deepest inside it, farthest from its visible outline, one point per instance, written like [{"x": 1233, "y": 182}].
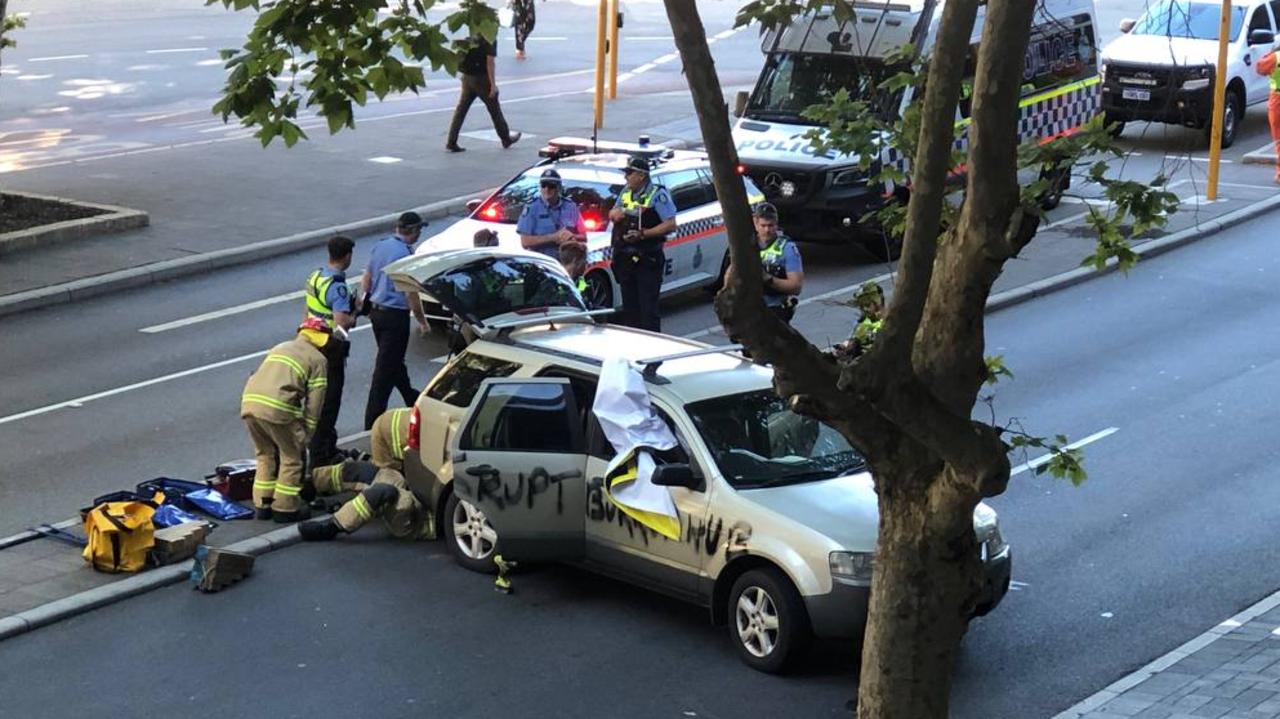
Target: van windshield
[
  {"x": 758, "y": 442},
  {"x": 792, "y": 82},
  {"x": 1195, "y": 20}
]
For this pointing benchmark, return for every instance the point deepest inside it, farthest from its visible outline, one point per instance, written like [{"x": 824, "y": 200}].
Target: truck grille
[{"x": 772, "y": 183}]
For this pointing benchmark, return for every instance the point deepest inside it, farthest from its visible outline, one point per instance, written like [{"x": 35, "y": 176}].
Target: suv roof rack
[
  {"x": 501, "y": 330},
  {"x": 559, "y": 147},
  {"x": 652, "y": 364}
]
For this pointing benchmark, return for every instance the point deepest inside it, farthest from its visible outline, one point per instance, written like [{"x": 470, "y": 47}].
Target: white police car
[{"x": 592, "y": 177}]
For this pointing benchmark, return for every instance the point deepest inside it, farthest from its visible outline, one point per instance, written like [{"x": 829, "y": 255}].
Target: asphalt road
[{"x": 1172, "y": 533}]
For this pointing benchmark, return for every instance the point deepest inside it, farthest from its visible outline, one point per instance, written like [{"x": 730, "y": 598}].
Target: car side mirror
[
  {"x": 1127, "y": 24},
  {"x": 676, "y": 475},
  {"x": 473, "y": 203},
  {"x": 1261, "y": 37},
  {"x": 740, "y": 103}
]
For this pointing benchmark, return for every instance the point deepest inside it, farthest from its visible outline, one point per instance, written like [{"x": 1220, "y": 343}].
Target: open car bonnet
[{"x": 490, "y": 286}]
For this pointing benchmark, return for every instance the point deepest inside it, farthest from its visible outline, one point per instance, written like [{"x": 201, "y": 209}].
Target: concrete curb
[
  {"x": 113, "y": 219},
  {"x": 77, "y": 604},
  {"x": 1150, "y": 248},
  {"x": 206, "y": 261}
]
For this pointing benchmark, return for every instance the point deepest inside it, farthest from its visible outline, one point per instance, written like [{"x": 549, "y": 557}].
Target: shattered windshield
[
  {"x": 792, "y": 82},
  {"x": 757, "y": 442}
]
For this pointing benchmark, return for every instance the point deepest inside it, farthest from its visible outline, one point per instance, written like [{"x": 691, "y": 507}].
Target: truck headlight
[
  {"x": 855, "y": 566},
  {"x": 847, "y": 178},
  {"x": 1198, "y": 78}
]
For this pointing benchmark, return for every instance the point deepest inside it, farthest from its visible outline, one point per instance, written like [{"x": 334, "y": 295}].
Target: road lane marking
[
  {"x": 237, "y": 309},
  {"x": 54, "y": 58},
  {"x": 1044, "y": 459},
  {"x": 81, "y": 401},
  {"x": 385, "y": 160},
  {"x": 171, "y": 50}
]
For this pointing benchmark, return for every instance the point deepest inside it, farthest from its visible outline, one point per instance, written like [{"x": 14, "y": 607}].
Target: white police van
[{"x": 824, "y": 198}]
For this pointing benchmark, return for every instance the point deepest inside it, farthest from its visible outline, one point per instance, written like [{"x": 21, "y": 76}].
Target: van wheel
[
  {"x": 767, "y": 621},
  {"x": 1059, "y": 183},
  {"x": 1114, "y": 127},
  {"x": 1232, "y": 111},
  {"x": 880, "y": 245},
  {"x": 599, "y": 292},
  {"x": 471, "y": 538}
]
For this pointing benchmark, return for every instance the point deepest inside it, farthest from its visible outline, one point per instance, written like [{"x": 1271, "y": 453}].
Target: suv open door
[
  {"x": 488, "y": 285},
  {"x": 520, "y": 458}
]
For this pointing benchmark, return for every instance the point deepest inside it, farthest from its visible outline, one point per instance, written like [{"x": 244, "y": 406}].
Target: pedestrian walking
[
  {"x": 525, "y": 18},
  {"x": 550, "y": 219},
  {"x": 642, "y": 218},
  {"x": 389, "y": 314},
  {"x": 329, "y": 300},
  {"x": 1268, "y": 66},
  {"x": 476, "y": 73},
  {"x": 281, "y": 407}
]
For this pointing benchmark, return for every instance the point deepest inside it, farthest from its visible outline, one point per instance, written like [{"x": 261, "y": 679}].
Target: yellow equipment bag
[{"x": 120, "y": 535}]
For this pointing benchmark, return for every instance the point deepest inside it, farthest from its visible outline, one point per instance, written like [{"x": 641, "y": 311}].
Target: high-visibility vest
[
  {"x": 317, "y": 289},
  {"x": 648, "y": 216},
  {"x": 582, "y": 285},
  {"x": 771, "y": 258}
]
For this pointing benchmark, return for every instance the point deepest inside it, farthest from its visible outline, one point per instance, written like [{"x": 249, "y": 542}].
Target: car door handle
[{"x": 480, "y": 470}]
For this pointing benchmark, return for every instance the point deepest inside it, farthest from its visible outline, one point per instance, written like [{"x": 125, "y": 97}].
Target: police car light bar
[{"x": 568, "y": 146}]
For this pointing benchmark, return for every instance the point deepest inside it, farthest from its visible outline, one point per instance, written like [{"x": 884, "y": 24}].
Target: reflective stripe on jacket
[
  {"x": 316, "y": 291},
  {"x": 288, "y": 386}
]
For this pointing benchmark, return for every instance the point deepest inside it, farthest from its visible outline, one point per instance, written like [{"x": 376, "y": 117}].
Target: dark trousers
[
  {"x": 324, "y": 442},
  {"x": 641, "y": 285},
  {"x": 391, "y": 332},
  {"x": 474, "y": 86}
]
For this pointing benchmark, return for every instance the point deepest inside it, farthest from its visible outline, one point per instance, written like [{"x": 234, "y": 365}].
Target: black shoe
[
  {"x": 319, "y": 530},
  {"x": 455, "y": 148},
  {"x": 263, "y": 513},
  {"x": 297, "y": 515},
  {"x": 512, "y": 139},
  {"x": 308, "y": 492}
]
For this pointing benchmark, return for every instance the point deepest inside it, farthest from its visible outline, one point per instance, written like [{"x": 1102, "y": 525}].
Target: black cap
[
  {"x": 550, "y": 176},
  {"x": 410, "y": 221},
  {"x": 765, "y": 211},
  {"x": 636, "y": 163}
]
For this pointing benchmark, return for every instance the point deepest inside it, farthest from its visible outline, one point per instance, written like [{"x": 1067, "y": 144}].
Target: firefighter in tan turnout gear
[
  {"x": 280, "y": 406},
  {"x": 387, "y": 439},
  {"x": 388, "y": 496}
]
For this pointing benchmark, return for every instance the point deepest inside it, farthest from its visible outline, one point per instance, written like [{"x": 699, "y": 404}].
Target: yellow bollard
[
  {"x": 600, "y": 38},
  {"x": 613, "y": 49},
  {"x": 1219, "y": 102}
]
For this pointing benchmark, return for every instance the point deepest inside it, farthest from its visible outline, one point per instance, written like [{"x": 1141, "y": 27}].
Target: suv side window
[
  {"x": 458, "y": 383},
  {"x": 524, "y": 417},
  {"x": 686, "y": 187},
  {"x": 584, "y": 394},
  {"x": 1275, "y": 10},
  {"x": 1260, "y": 20}
]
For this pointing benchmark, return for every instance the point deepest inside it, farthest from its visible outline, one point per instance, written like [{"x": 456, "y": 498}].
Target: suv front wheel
[
  {"x": 1232, "y": 114},
  {"x": 472, "y": 539},
  {"x": 767, "y": 620}
]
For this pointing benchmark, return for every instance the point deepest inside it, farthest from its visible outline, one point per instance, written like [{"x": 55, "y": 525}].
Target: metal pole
[
  {"x": 1219, "y": 102},
  {"x": 601, "y": 24},
  {"x": 613, "y": 49}
]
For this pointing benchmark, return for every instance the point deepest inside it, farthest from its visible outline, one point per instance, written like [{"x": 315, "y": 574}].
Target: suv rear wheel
[
  {"x": 472, "y": 539},
  {"x": 767, "y": 620}
]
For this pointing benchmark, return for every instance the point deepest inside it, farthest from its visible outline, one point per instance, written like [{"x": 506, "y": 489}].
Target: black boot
[
  {"x": 299, "y": 514},
  {"x": 319, "y": 530},
  {"x": 263, "y": 512}
]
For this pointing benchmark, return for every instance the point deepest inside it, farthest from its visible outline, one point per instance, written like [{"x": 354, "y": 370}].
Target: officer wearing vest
[
  {"x": 780, "y": 258},
  {"x": 550, "y": 219},
  {"x": 329, "y": 301},
  {"x": 1268, "y": 66},
  {"x": 642, "y": 218}
]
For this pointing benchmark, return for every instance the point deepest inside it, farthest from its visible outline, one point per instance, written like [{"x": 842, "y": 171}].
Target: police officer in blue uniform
[
  {"x": 329, "y": 300},
  {"x": 551, "y": 219},
  {"x": 642, "y": 218},
  {"x": 389, "y": 314},
  {"x": 780, "y": 259}
]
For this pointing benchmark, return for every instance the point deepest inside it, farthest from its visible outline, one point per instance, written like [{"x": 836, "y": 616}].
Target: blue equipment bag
[
  {"x": 211, "y": 502},
  {"x": 170, "y": 514}
]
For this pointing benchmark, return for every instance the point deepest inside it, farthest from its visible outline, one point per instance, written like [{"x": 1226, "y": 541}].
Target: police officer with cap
[
  {"x": 389, "y": 314},
  {"x": 780, "y": 258},
  {"x": 642, "y": 218},
  {"x": 329, "y": 300},
  {"x": 551, "y": 219}
]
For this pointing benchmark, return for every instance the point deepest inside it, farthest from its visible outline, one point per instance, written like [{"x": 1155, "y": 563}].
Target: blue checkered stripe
[{"x": 693, "y": 227}]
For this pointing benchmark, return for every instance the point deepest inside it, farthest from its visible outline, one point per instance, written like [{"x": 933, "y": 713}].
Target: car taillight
[
  {"x": 415, "y": 424},
  {"x": 592, "y": 223},
  {"x": 742, "y": 169},
  {"x": 491, "y": 212}
]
